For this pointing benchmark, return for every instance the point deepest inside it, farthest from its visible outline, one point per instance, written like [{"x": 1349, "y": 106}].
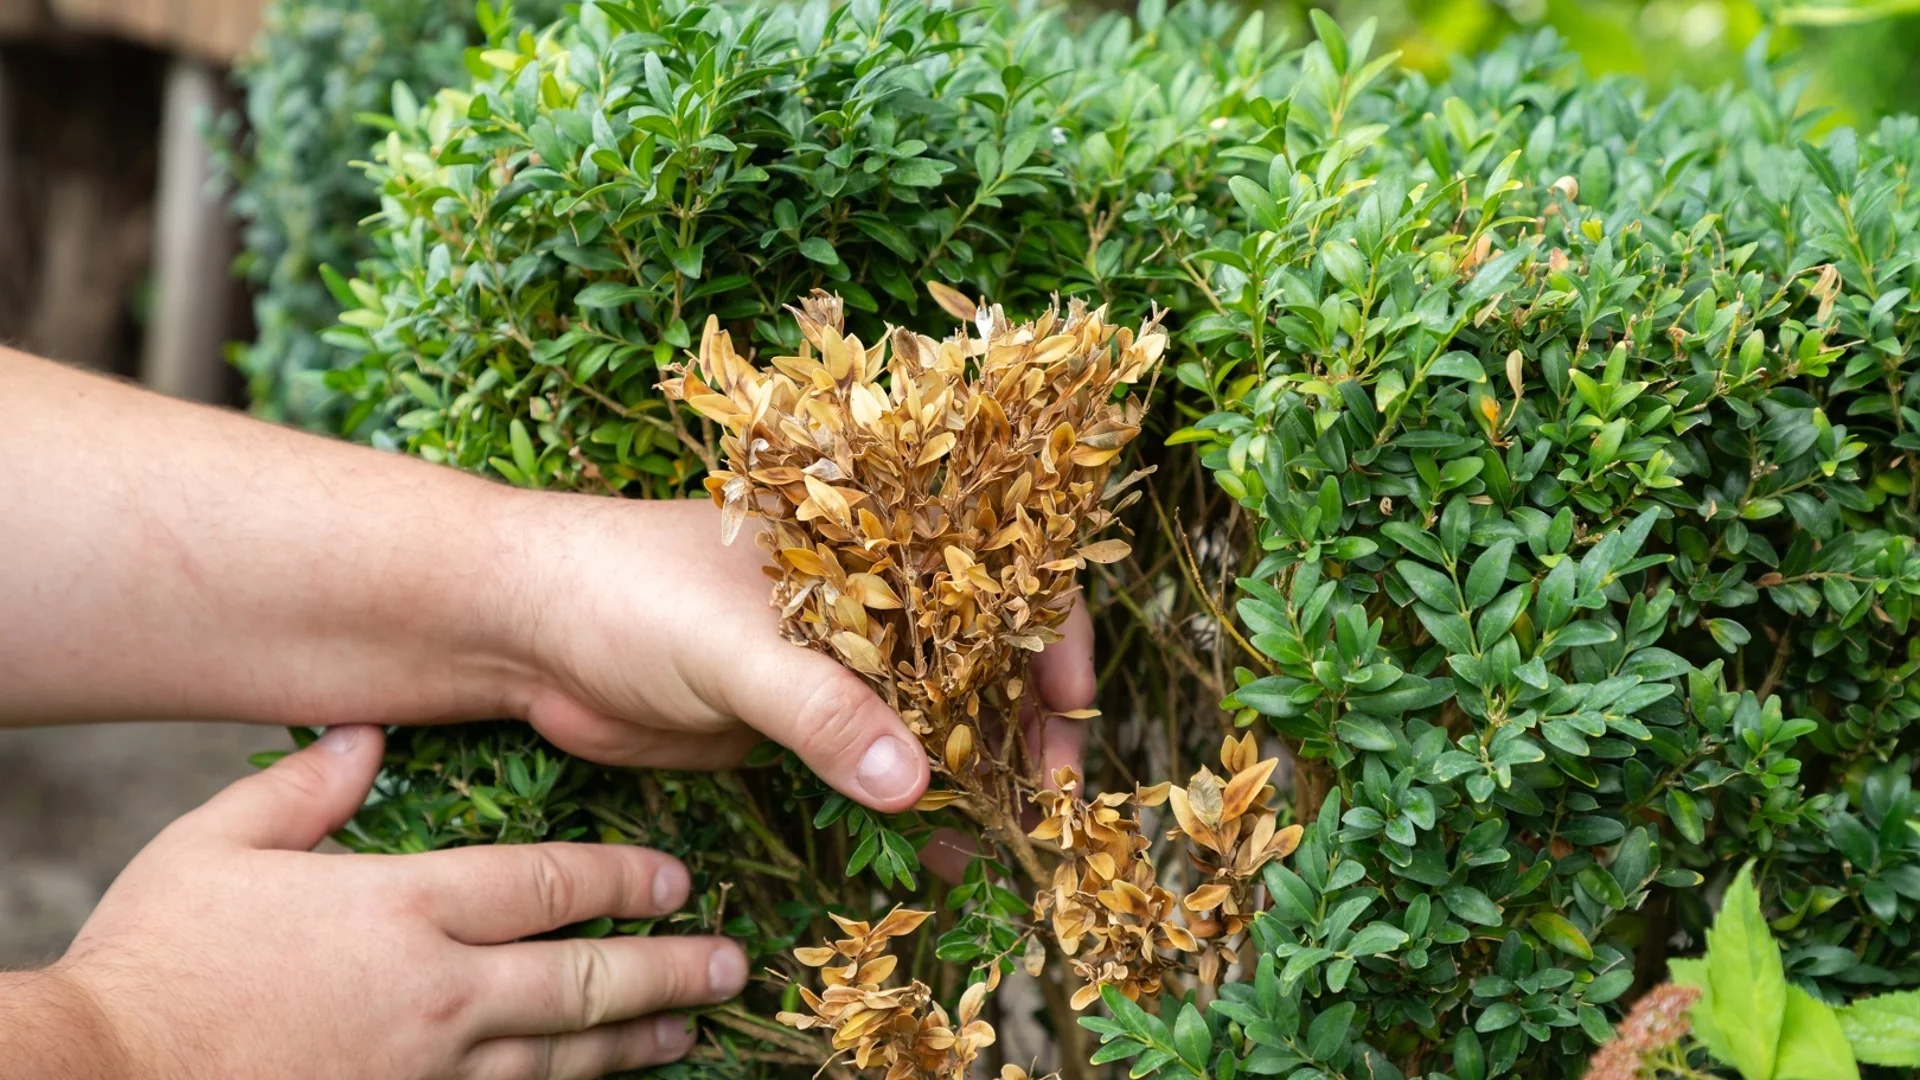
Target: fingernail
[
  {"x": 726, "y": 971},
  {"x": 887, "y": 772},
  {"x": 673, "y": 1035},
  {"x": 670, "y": 886},
  {"x": 342, "y": 740}
]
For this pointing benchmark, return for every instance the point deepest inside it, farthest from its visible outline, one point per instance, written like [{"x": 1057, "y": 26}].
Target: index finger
[{"x": 490, "y": 895}]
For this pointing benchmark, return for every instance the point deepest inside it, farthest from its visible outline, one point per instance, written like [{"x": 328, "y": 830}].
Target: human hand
[
  {"x": 228, "y": 949},
  {"x": 660, "y": 648}
]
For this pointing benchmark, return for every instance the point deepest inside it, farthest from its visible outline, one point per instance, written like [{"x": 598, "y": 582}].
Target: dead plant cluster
[
  {"x": 928, "y": 506},
  {"x": 901, "y": 1029}
]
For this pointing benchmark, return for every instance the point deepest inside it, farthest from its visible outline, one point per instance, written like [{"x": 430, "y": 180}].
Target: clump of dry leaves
[
  {"x": 928, "y": 505},
  {"x": 1232, "y": 831},
  {"x": 1110, "y": 913},
  {"x": 901, "y": 1028}
]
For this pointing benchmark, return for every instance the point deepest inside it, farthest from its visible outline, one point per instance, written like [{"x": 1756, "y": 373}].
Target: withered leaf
[
  {"x": 936, "y": 448},
  {"x": 830, "y": 501},
  {"x": 1244, "y": 786},
  {"x": 1204, "y": 797},
  {"x": 959, "y": 749},
  {"x": 1206, "y": 897},
  {"x": 934, "y": 800},
  {"x": 952, "y": 301},
  {"x": 859, "y": 653},
  {"x": 872, "y": 591},
  {"x": 1106, "y": 551}
]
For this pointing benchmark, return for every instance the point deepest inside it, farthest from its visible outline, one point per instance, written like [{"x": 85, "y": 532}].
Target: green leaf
[
  {"x": 1376, "y": 938},
  {"x": 1327, "y": 1035},
  {"x": 607, "y": 294},
  {"x": 1364, "y": 732},
  {"x": 1430, "y": 585},
  {"x": 1749, "y": 985},
  {"x": 1191, "y": 1037},
  {"x": 1684, "y": 812},
  {"x": 1345, "y": 263},
  {"x": 818, "y": 249},
  {"x": 1812, "y": 1044},
  {"x": 1693, "y": 972},
  {"x": 1498, "y": 1016},
  {"x": 1414, "y": 540},
  {"x": 1556, "y": 931},
  {"x": 1471, "y": 905},
  {"x": 1469, "y": 1057},
  {"x": 1257, "y": 204},
  {"x": 1884, "y": 1029},
  {"x": 1489, "y": 574},
  {"x": 523, "y": 456},
  {"x": 1458, "y": 365}
]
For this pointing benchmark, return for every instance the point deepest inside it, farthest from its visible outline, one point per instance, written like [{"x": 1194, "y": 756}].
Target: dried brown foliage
[
  {"x": 928, "y": 506},
  {"x": 1110, "y": 914},
  {"x": 901, "y": 1028},
  {"x": 1232, "y": 831}
]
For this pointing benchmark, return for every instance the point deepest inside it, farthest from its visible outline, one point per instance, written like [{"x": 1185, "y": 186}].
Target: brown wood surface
[
  {"x": 21, "y": 17},
  {"x": 217, "y": 30}
]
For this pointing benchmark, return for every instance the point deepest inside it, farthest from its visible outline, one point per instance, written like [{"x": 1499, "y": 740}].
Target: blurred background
[{"x": 125, "y": 153}]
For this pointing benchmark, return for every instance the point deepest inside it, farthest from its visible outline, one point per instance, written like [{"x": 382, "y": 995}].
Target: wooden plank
[
  {"x": 19, "y": 18},
  {"x": 77, "y": 176},
  {"x": 193, "y": 243},
  {"x": 216, "y": 30}
]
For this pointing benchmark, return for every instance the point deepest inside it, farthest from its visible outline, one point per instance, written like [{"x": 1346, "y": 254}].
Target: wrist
[
  {"x": 52, "y": 1027},
  {"x": 493, "y": 595},
  {"x": 542, "y": 547}
]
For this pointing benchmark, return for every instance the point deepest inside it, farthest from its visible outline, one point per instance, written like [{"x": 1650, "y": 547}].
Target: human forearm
[
  {"x": 167, "y": 560},
  {"x": 52, "y": 1029}
]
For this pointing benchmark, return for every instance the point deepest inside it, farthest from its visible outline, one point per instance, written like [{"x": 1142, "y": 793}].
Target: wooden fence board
[{"x": 217, "y": 30}]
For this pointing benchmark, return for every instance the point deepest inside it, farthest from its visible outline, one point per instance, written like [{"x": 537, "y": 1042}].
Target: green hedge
[
  {"x": 317, "y": 75},
  {"x": 1569, "y": 432},
  {"x": 1580, "y": 432}
]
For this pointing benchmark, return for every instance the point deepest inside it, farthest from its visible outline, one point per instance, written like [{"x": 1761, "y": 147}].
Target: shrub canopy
[{"x": 1564, "y": 437}]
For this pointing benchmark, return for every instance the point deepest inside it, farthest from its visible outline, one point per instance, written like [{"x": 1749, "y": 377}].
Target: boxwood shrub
[
  {"x": 1561, "y": 437},
  {"x": 1579, "y": 430},
  {"x": 316, "y": 81}
]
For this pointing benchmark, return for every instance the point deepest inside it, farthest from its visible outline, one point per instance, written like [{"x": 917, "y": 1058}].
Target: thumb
[
  {"x": 303, "y": 798},
  {"x": 812, "y": 705}
]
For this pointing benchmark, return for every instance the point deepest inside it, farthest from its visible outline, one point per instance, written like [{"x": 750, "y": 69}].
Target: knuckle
[
  {"x": 590, "y": 977},
  {"x": 299, "y": 777},
  {"x": 672, "y": 980},
  {"x": 832, "y": 715},
  {"x": 445, "y": 1003},
  {"x": 556, "y": 888}
]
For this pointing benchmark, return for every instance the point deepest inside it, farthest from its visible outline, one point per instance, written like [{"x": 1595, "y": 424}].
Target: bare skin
[{"x": 167, "y": 561}]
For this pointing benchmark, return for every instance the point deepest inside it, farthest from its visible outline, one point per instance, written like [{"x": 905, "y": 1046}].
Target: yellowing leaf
[
  {"x": 952, "y": 301},
  {"x": 872, "y": 591},
  {"x": 1106, "y": 551},
  {"x": 860, "y": 654},
  {"x": 830, "y": 502},
  {"x": 935, "y": 449}
]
